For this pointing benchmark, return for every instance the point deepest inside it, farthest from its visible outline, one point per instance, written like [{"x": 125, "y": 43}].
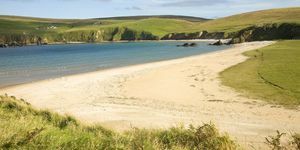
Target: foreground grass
[
  {"x": 271, "y": 73},
  {"x": 22, "y": 127}
]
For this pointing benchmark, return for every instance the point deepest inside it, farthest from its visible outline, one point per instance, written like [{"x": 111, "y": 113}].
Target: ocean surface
[{"x": 27, "y": 64}]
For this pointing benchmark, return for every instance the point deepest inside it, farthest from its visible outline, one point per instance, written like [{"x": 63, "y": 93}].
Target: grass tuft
[{"x": 23, "y": 127}]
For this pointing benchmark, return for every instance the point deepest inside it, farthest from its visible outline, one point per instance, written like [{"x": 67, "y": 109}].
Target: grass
[
  {"x": 157, "y": 25},
  {"x": 271, "y": 73},
  {"x": 241, "y": 21},
  {"x": 23, "y": 127}
]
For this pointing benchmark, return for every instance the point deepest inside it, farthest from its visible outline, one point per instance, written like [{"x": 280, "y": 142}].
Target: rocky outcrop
[
  {"x": 195, "y": 35},
  {"x": 253, "y": 33},
  {"x": 218, "y": 43},
  {"x": 187, "y": 45},
  {"x": 89, "y": 36},
  {"x": 267, "y": 32}
]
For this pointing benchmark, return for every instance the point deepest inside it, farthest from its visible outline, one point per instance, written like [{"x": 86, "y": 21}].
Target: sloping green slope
[
  {"x": 240, "y": 21},
  {"x": 271, "y": 73},
  {"x": 13, "y": 27}
]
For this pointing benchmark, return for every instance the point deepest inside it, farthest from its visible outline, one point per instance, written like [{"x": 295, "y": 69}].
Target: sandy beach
[{"x": 163, "y": 94}]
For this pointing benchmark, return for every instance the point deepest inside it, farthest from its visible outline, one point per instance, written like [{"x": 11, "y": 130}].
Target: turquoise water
[{"x": 26, "y": 64}]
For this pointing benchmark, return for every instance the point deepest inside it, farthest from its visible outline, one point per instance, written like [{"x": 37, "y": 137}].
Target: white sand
[{"x": 164, "y": 94}]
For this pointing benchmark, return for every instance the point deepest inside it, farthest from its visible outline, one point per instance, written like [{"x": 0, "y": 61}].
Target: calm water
[{"x": 26, "y": 64}]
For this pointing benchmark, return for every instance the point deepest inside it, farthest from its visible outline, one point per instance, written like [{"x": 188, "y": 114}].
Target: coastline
[
  {"x": 122, "y": 41},
  {"x": 163, "y": 94},
  {"x": 81, "y": 73}
]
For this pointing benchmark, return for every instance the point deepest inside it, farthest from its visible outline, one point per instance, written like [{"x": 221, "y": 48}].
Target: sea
[{"x": 20, "y": 65}]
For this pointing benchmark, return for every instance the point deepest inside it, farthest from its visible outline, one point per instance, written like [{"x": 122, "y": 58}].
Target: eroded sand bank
[{"x": 163, "y": 94}]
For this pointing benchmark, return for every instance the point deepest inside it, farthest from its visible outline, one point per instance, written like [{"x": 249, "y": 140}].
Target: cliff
[
  {"x": 253, "y": 33},
  {"x": 268, "y": 32},
  {"x": 90, "y": 36},
  {"x": 195, "y": 35}
]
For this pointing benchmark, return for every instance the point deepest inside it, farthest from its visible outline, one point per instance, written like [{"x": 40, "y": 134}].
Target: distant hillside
[
  {"x": 26, "y": 30},
  {"x": 187, "y": 18},
  {"x": 240, "y": 21}
]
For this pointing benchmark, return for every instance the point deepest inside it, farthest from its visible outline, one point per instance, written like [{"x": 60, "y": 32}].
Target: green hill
[
  {"x": 29, "y": 29},
  {"x": 240, "y": 21},
  {"x": 187, "y": 18}
]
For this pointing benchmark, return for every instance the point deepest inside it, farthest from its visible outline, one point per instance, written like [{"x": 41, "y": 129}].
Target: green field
[
  {"x": 241, "y": 21},
  {"x": 23, "y": 127},
  {"x": 271, "y": 73},
  {"x": 157, "y": 25}
]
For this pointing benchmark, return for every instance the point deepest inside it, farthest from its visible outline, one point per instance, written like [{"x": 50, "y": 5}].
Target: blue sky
[{"x": 109, "y": 8}]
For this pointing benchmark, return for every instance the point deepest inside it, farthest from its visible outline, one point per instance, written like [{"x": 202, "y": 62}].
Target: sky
[{"x": 110, "y": 8}]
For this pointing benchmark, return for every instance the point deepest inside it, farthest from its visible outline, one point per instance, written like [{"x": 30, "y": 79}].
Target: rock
[
  {"x": 194, "y": 35},
  {"x": 193, "y": 44},
  {"x": 218, "y": 43},
  {"x": 267, "y": 32},
  {"x": 39, "y": 41},
  {"x": 188, "y": 45},
  {"x": 14, "y": 44}
]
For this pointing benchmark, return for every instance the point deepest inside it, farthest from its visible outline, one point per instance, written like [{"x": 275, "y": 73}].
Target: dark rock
[
  {"x": 218, "y": 43},
  {"x": 39, "y": 41},
  {"x": 188, "y": 45},
  {"x": 193, "y": 44}
]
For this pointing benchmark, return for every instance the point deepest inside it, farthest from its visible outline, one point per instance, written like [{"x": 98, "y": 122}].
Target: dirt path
[{"x": 163, "y": 94}]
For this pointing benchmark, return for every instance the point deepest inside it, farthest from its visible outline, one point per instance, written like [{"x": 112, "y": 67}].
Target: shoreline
[
  {"x": 123, "y": 41},
  {"x": 95, "y": 71},
  {"x": 164, "y": 94}
]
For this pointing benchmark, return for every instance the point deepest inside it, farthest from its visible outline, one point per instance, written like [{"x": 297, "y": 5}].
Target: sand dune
[{"x": 164, "y": 94}]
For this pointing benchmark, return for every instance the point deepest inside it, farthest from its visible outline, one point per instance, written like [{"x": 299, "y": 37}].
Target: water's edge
[{"x": 108, "y": 68}]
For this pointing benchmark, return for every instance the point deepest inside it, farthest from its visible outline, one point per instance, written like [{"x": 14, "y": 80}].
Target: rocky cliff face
[
  {"x": 109, "y": 34},
  {"x": 268, "y": 32},
  {"x": 253, "y": 33},
  {"x": 195, "y": 35}
]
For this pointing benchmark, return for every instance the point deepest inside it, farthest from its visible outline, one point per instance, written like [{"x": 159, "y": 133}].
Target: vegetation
[
  {"x": 237, "y": 22},
  {"x": 276, "y": 142},
  {"x": 23, "y": 127},
  {"x": 13, "y": 28},
  {"x": 271, "y": 73}
]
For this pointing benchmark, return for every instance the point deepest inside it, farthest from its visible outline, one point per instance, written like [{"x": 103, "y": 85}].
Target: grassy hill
[
  {"x": 240, "y": 21},
  {"x": 187, "y": 18},
  {"x": 157, "y": 24},
  {"x": 101, "y": 29}
]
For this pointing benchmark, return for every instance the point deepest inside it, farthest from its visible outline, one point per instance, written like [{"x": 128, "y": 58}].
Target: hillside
[
  {"x": 26, "y": 30},
  {"x": 241, "y": 21},
  {"x": 187, "y": 18}
]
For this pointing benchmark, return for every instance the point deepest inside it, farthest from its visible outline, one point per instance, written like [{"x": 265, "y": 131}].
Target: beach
[{"x": 164, "y": 94}]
